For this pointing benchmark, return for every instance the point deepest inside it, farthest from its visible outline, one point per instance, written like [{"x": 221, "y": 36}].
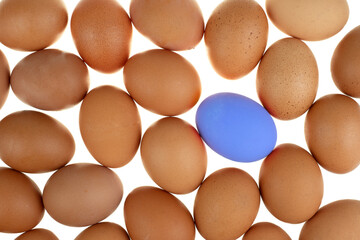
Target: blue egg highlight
[{"x": 236, "y": 127}]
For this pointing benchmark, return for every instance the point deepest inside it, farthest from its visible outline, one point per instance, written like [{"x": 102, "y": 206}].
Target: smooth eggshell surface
[
  {"x": 265, "y": 231},
  {"x": 104, "y": 230},
  {"x": 37, "y": 234},
  {"x": 4, "y": 78}
]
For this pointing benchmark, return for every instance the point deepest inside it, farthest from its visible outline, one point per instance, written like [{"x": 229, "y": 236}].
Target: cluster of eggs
[{"x": 173, "y": 151}]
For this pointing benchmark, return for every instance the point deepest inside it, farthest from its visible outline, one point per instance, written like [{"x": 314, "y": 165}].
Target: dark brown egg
[
  {"x": 37, "y": 234},
  {"x": 4, "y": 78},
  {"x": 104, "y": 230},
  {"x": 265, "y": 231}
]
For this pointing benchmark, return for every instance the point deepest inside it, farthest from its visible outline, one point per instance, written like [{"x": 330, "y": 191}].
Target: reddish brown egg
[
  {"x": 4, "y": 78},
  {"x": 265, "y": 231},
  {"x": 104, "y": 230},
  {"x": 37, "y": 234}
]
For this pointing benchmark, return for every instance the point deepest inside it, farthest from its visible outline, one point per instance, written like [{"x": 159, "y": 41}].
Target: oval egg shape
[
  {"x": 102, "y": 33},
  {"x": 235, "y": 36},
  {"x": 265, "y": 231},
  {"x": 34, "y": 142},
  {"x": 4, "y": 78},
  {"x": 110, "y": 126},
  {"x": 50, "y": 80},
  {"x": 236, "y": 127},
  {"x": 37, "y": 234},
  {"x": 287, "y": 79},
  {"x": 103, "y": 230}
]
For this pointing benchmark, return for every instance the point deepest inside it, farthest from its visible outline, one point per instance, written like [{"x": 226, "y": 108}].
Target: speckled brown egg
[
  {"x": 310, "y": 20},
  {"x": 50, "y": 79},
  {"x": 34, "y": 142},
  {"x": 4, "y": 78},
  {"x": 226, "y": 204},
  {"x": 21, "y": 206},
  {"x": 110, "y": 126},
  {"x": 174, "y": 155},
  {"x": 162, "y": 81},
  {"x": 82, "y": 194},
  {"x": 31, "y": 25},
  {"x": 334, "y": 221},
  {"x": 345, "y": 62},
  {"x": 287, "y": 79},
  {"x": 170, "y": 24},
  {"x": 332, "y": 132},
  {"x": 265, "y": 231},
  {"x": 154, "y": 214},
  {"x": 236, "y": 36},
  {"x": 104, "y": 230},
  {"x": 291, "y": 184},
  {"x": 102, "y": 32},
  {"x": 37, "y": 234}
]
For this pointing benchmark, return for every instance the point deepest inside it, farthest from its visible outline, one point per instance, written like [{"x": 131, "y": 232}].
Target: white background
[{"x": 133, "y": 175}]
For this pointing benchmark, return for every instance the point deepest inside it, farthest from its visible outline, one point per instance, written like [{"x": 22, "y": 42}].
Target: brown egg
[
  {"x": 162, "y": 81},
  {"x": 265, "y": 231},
  {"x": 50, "y": 79},
  {"x": 102, "y": 32},
  {"x": 174, "y": 155},
  {"x": 154, "y": 214},
  {"x": 104, "y": 230},
  {"x": 291, "y": 184},
  {"x": 21, "y": 206},
  {"x": 345, "y": 62},
  {"x": 287, "y": 79},
  {"x": 310, "y": 20},
  {"x": 31, "y": 25},
  {"x": 37, "y": 234},
  {"x": 170, "y": 24},
  {"x": 4, "y": 78},
  {"x": 34, "y": 142},
  {"x": 110, "y": 126},
  {"x": 236, "y": 36},
  {"x": 332, "y": 132},
  {"x": 82, "y": 194},
  {"x": 337, "y": 220},
  {"x": 226, "y": 204}
]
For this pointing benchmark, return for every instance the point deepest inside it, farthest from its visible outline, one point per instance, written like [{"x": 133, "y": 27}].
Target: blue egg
[{"x": 236, "y": 127}]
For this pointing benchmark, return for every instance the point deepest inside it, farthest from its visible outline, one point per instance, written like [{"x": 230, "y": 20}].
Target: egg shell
[
  {"x": 310, "y": 20},
  {"x": 226, "y": 204},
  {"x": 4, "y": 78},
  {"x": 50, "y": 79},
  {"x": 174, "y": 155},
  {"x": 110, "y": 126},
  {"x": 332, "y": 128},
  {"x": 336, "y": 220},
  {"x": 34, "y": 142},
  {"x": 346, "y": 58},
  {"x": 21, "y": 206},
  {"x": 287, "y": 79},
  {"x": 37, "y": 234},
  {"x": 291, "y": 184},
  {"x": 265, "y": 231},
  {"x": 236, "y": 36},
  {"x": 82, "y": 194},
  {"x": 102, "y": 33},
  {"x": 31, "y": 25},
  {"x": 236, "y": 127},
  {"x": 104, "y": 230},
  {"x": 170, "y": 24}
]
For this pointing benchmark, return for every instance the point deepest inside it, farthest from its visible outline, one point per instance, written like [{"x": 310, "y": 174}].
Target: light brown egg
[
  {"x": 34, "y": 142},
  {"x": 110, "y": 126},
  {"x": 226, "y": 204},
  {"x": 4, "y": 78},
  {"x": 82, "y": 194},
  {"x": 104, "y": 230},
  {"x": 310, "y": 20},
  {"x": 331, "y": 132},
  {"x": 287, "y": 79},
  {"x": 31, "y": 25},
  {"x": 236, "y": 36},
  {"x": 102, "y": 32},
  {"x": 174, "y": 155},
  {"x": 265, "y": 231},
  {"x": 170, "y": 24},
  {"x": 37, "y": 234},
  {"x": 50, "y": 79},
  {"x": 21, "y": 206},
  {"x": 345, "y": 62},
  {"x": 337, "y": 220},
  {"x": 154, "y": 214},
  {"x": 291, "y": 184},
  {"x": 162, "y": 81}
]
